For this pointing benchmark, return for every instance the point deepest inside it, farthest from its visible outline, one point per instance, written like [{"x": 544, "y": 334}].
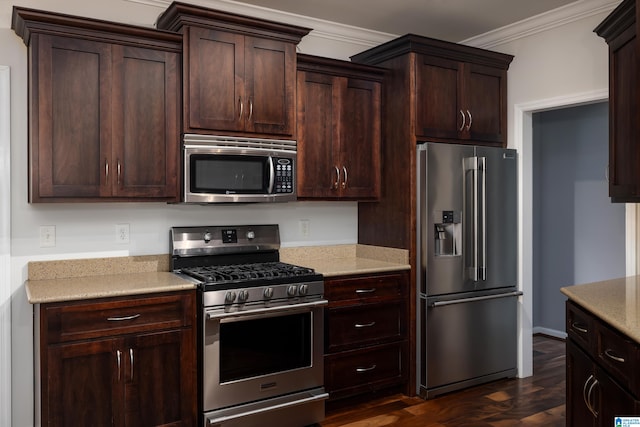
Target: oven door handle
[{"x": 216, "y": 315}]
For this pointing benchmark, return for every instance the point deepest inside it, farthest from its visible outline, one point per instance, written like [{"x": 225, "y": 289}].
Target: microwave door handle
[{"x": 272, "y": 175}]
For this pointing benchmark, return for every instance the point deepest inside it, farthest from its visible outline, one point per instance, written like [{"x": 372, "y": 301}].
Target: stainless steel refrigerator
[{"x": 466, "y": 266}]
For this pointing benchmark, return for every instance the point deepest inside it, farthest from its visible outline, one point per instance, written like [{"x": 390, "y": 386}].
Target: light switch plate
[{"x": 47, "y": 236}]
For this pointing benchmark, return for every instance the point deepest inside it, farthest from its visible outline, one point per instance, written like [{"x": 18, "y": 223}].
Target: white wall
[{"x": 559, "y": 61}]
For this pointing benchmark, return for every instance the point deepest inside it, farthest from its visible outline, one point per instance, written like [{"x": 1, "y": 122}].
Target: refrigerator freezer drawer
[{"x": 467, "y": 341}]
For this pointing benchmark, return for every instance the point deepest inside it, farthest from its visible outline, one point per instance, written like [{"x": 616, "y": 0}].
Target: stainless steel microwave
[{"x": 222, "y": 169}]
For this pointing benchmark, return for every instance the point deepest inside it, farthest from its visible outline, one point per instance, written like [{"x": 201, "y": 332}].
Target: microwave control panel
[{"x": 284, "y": 176}]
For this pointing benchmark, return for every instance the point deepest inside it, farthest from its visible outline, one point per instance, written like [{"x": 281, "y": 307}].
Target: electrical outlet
[
  {"x": 47, "y": 236},
  {"x": 122, "y": 233},
  {"x": 304, "y": 227}
]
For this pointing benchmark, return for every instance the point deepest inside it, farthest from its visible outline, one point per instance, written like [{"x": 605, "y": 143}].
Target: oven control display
[{"x": 230, "y": 236}]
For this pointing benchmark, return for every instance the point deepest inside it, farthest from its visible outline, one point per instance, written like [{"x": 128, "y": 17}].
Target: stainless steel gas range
[{"x": 261, "y": 338}]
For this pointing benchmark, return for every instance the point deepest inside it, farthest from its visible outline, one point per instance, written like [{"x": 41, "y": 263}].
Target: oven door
[{"x": 262, "y": 353}]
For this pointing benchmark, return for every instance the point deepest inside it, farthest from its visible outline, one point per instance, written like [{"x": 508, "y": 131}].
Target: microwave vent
[{"x": 229, "y": 141}]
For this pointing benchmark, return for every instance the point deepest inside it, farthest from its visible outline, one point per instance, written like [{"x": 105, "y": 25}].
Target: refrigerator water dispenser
[{"x": 448, "y": 234}]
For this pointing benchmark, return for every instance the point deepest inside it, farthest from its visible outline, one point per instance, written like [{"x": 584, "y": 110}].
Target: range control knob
[
  {"x": 303, "y": 290},
  {"x": 291, "y": 290},
  {"x": 206, "y": 237},
  {"x": 229, "y": 297},
  {"x": 251, "y": 235},
  {"x": 243, "y": 295},
  {"x": 268, "y": 293}
]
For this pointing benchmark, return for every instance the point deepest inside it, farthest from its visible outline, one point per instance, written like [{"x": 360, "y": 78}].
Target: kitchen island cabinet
[
  {"x": 339, "y": 129},
  {"x": 366, "y": 334},
  {"x": 126, "y": 361},
  {"x": 619, "y": 30},
  {"x": 603, "y": 352},
  {"x": 239, "y": 72},
  {"x": 103, "y": 107}
]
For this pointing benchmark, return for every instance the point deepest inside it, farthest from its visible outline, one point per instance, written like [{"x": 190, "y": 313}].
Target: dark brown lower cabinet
[
  {"x": 366, "y": 334},
  {"x": 140, "y": 372},
  {"x": 601, "y": 384}
]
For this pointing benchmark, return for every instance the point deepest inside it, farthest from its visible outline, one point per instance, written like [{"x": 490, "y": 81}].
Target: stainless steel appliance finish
[
  {"x": 223, "y": 169},
  {"x": 261, "y": 335},
  {"x": 467, "y": 266}
]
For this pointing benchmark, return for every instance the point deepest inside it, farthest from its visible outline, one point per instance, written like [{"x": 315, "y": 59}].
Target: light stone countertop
[
  {"x": 68, "y": 280},
  {"x": 616, "y": 301},
  {"x": 341, "y": 260},
  {"x": 103, "y": 286}
]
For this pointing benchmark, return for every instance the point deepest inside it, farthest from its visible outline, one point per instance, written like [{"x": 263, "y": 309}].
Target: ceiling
[{"x": 451, "y": 20}]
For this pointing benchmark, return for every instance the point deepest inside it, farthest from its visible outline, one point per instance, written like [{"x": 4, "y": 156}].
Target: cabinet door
[
  {"x": 438, "y": 97},
  {"x": 624, "y": 147},
  {"x": 160, "y": 379},
  {"x": 71, "y": 131},
  {"x": 145, "y": 132},
  {"x": 270, "y": 71},
  {"x": 82, "y": 385},
  {"x": 360, "y": 139},
  {"x": 214, "y": 85},
  {"x": 318, "y": 115},
  {"x": 580, "y": 378},
  {"x": 612, "y": 401},
  {"x": 484, "y": 103}
]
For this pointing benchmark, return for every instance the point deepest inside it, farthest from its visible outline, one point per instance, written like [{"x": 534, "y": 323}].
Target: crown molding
[
  {"x": 321, "y": 28},
  {"x": 334, "y": 31},
  {"x": 564, "y": 15}
]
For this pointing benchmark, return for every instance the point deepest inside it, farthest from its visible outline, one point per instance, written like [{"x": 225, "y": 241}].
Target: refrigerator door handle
[
  {"x": 477, "y": 167},
  {"x": 471, "y": 165},
  {"x": 472, "y": 299},
  {"x": 482, "y": 163}
]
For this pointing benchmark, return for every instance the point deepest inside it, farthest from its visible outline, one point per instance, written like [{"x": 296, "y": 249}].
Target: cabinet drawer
[
  {"x": 369, "y": 368},
  {"x": 618, "y": 355},
  {"x": 364, "y": 325},
  {"x": 580, "y": 326},
  {"x": 365, "y": 289},
  {"x": 115, "y": 316}
]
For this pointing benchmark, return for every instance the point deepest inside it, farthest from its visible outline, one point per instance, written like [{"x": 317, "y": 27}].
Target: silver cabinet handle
[
  {"x": 118, "y": 357},
  {"x": 241, "y": 108},
  {"x": 334, "y": 185},
  {"x": 364, "y": 325},
  {"x": 346, "y": 178},
  {"x": 578, "y": 327},
  {"x": 470, "y": 120},
  {"x": 365, "y": 291},
  {"x": 118, "y": 171},
  {"x": 250, "y": 110},
  {"x": 106, "y": 170},
  {"x": 609, "y": 353},
  {"x": 361, "y": 370},
  {"x": 120, "y": 319},
  {"x": 131, "y": 360},
  {"x": 590, "y": 405},
  {"x": 464, "y": 121}
]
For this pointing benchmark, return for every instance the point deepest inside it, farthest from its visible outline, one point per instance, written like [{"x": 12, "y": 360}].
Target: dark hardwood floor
[{"x": 535, "y": 401}]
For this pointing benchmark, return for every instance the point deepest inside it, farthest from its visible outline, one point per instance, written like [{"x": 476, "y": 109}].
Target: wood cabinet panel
[
  {"x": 602, "y": 378},
  {"x": 104, "y": 116},
  {"x": 365, "y": 334},
  {"x": 339, "y": 129},
  {"x": 100, "y": 374}
]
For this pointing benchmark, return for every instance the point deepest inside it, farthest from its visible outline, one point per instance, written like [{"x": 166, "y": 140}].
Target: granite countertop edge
[
  {"x": 616, "y": 302},
  {"x": 79, "y": 279}
]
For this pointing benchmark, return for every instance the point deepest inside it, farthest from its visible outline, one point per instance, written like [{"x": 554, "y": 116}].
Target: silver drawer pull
[
  {"x": 361, "y": 370},
  {"x": 609, "y": 353},
  {"x": 364, "y": 325},
  {"x": 365, "y": 291},
  {"x": 578, "y": 327},
  {"x": 120, "y": 319}
]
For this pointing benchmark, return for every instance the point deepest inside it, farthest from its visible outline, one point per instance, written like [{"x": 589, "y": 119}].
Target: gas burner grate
[{"x": 247, "y": 272}]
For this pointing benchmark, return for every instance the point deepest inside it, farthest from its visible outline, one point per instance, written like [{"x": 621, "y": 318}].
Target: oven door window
[
  {"x": 223, "y": 174},
  {"x": 263, "y": 346}
]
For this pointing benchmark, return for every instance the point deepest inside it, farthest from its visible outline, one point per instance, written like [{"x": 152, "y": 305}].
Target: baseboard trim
[{"x": 538, "y": 330}]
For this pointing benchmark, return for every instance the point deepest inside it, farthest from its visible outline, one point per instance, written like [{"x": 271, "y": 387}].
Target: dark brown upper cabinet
[
  {"x": 619, "y": 30},
  {"x": 103, "y": 109},
  {"x": 458, "y": 93},
  {"x": 238, "y": 72},
  {"x": 339, "y": 129}
]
